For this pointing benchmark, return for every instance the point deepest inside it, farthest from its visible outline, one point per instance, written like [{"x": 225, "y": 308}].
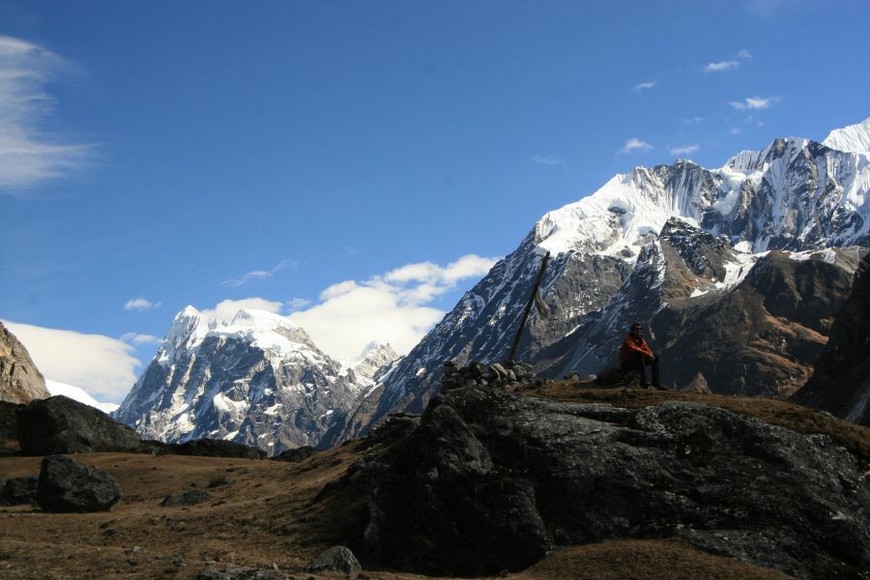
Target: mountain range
[{"x": 738, "y": 272}]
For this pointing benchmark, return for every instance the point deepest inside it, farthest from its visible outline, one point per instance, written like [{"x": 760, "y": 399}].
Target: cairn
[{"x": 496, "y": 375}]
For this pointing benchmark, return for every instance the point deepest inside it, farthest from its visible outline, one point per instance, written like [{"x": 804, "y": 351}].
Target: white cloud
[
  {"x": 136, "y": 338},
  {"x": 140, "y": 304},
  {"x": 101, "y": 365},
  {"x": 744, "y": 54},
  {"x": 635, "y": 145},
  {"x": 260, "y": 274},
  {"x": 28, "y": 154},
  {"x": 395, "y": 307},
  {"x": 684, "y": 150},
  {"x": 640, "y": 87},
  {"x": 721, "y": 66},
  {"x": 752, "y": 103},
  {"x": 546, "y": 160}
]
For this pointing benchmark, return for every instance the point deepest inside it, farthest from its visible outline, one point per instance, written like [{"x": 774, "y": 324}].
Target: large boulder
[
  {"x": 490, "y": 481},
  {"x": 66, "y": 486},
  {"x": 61, "y": 425}
]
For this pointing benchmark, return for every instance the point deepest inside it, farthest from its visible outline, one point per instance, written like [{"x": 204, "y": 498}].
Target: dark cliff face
[
  {"x": 761, "y": 338},
  {"x": 488, "y": 480},
  {"x": 841, "y": 381},
  {"x": 20, "y": 380}
]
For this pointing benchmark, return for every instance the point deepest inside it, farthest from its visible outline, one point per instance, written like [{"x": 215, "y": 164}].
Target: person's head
[{"x": 636, "y": 329}]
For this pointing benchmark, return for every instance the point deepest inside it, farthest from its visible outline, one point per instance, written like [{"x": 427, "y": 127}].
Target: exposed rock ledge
[{"x": 487, "y": 481}]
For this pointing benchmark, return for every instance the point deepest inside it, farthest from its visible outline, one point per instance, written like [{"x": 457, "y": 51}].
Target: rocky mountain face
[
  {"x": 20, "y": 380},
  {"x": 489, "y": 480},
  {"x": 258, "y": 380},
  {"x": 841, "y": 381},
  {"x": 738, "y": 271}
]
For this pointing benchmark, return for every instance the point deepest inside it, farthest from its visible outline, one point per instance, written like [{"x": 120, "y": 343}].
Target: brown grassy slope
[{"x": 263, "y": 513}]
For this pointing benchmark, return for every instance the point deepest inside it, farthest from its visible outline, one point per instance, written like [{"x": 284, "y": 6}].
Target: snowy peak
[
  {"x": 265, "y": 330},
  {"x": 78, "y": 394},
  {"x": 854, "y": 138},
  {"x": 187, "y": 331}
]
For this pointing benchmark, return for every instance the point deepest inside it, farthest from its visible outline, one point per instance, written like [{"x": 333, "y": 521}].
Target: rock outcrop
[
  {"x": 489, "y": 480},
  {"x": 20, "y": 380},
  {"x": 61, "y": 425}
]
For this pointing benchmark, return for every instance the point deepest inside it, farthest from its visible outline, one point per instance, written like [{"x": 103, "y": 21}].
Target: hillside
[{"x": 274, "y": 515}]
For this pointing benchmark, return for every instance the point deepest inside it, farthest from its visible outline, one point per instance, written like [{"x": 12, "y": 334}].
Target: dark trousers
[{"x": 638, "y": 364}]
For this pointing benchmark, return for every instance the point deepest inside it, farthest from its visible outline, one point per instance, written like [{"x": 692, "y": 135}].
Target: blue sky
[{"x": 356, "y": 165}]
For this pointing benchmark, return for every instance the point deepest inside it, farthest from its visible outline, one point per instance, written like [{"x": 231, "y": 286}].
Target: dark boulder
[
  {"x": 492, "y": 480},
  {"x": 19, "y": 491},
  {"x": 66, "y": 486},
  {"x": 60, "y": 425}
]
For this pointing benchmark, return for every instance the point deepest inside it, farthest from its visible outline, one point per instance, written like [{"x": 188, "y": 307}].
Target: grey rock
[
  {"x": 232, "y": 572},
  {"x": 19, "y": 491},
  {"x": 61, "y": 425},
  {"x": 492, "y": 480},
  {"x": 66, "y": 486},
  {"x": 336, "y": 559}
]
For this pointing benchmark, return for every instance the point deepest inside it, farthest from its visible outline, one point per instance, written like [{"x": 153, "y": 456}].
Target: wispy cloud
[
  {"x": 721, "y": 66},
  {"x": 101, "y": 365},
  {"x": 744, "y": 54},
  {"x": 640, "y": 87},
  {"x": 261, "y": 274},
  {"x": 753, "y": 103},
  {"x": 298, "y": 303},
  {"x": 684, "y": 150},
  {"x": 546, "y": 160},
  {"x": 30, "y": 155},
  {"x": 141, "y": 304},
  {"x": 633, "y": 145}
]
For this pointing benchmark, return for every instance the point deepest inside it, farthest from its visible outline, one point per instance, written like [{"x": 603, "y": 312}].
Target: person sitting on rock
[{"x": 635, "y": 355}]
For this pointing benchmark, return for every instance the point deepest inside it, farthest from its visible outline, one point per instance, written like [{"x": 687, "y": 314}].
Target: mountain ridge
[{"x": 668, "y": 245}]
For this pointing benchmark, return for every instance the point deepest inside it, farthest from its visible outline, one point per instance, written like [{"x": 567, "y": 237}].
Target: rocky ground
[{"x": 273, "y": 516}]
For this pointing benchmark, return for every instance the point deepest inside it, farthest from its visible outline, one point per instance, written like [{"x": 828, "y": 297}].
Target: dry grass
[{"x": 262, "y": 513}]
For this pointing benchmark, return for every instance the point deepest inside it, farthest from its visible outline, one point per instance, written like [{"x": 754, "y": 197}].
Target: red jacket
[{"x": 630, "y": 346}]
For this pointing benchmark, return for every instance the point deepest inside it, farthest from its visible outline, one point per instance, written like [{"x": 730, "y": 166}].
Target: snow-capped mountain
[
  {"x": 257, "y": 379},
  {"x": 679, "y": 246},
  {"x": 78, "y": 394}
]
